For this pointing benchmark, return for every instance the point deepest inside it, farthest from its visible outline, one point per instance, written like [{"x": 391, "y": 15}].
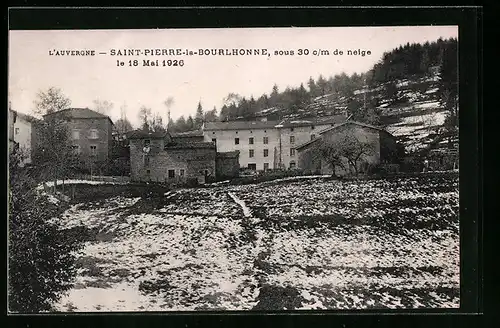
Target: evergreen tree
[
  {"x": 322, "y": 85},
  {"x": 198, "y": 120},
  {"x": 313, "y": 89},
  {"x": 190, "y": 124},
  {"x": 424, "y": 62},
  {"x": 224, "y": 113},
  {"x": 211, "y": 116}
]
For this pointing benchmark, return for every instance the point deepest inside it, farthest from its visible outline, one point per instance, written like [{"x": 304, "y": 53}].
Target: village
[
  {"x": 219, "y": 151},
  {"x": 340, "y": 195}
]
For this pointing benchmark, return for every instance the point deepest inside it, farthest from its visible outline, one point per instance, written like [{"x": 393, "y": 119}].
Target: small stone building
[
  {"x": 158, "y": 157},
  {"x": 383, "y": 145},
  {"x": 227, "y": 165}
]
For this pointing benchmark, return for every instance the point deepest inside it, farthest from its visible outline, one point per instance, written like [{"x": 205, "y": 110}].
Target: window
[
  {"x": 214, "y": 140},
  {"x": 266, "y": 166},
  {"x": 93, "y": 150},
  {"x": 17, "y": 131},
  {"x": 213, "y": 132},
  {"x": 292, "y": 152},
  {"x": 266, "y": 152},
  {"x": 93, "y": 134},
  {"x": 251, "y": 153},
  {"x": 252, "y": 166},
  {"x": 147, "y": 143},
  {"x": 181, "y": 172},
  {"x": 291, "y": 129},
  {"x": 292, "y": 164},
  {"x": 313, "y": 136},
  {"x": 265, "y": 140},
  {"x": 76, "y": 149},
  {"x": 292, "y": 139},
  {"x": 312, "y": 127},
  {"x": 146, "y": 161},
  {"x": 250, "y": 141},
  {"x": 75, "y": 134},
  {"x": 148, "y": 172},
  {"x": 236, "y": 141},
  {"x": 171, "y": 174}
]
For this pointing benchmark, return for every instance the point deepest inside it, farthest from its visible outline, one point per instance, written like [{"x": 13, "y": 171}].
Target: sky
[{"x": 205, "y": 79}]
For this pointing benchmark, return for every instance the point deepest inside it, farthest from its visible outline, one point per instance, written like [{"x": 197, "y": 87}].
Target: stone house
[
  {"x": 91, "y": 135},
  {"x": 383, "y": 148},
  {"x": 158, "y": 157}
]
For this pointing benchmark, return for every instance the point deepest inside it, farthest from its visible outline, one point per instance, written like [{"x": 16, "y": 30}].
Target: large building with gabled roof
[
  {"x": 91, "y": 135},
  {"x": 265, "y": 145},
  {"x": 383, "y": 148}
]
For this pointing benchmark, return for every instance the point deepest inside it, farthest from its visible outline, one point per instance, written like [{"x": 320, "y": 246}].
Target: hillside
[
  {"x": 414, "y": 114},
  {"x": 412, "y": 91}
]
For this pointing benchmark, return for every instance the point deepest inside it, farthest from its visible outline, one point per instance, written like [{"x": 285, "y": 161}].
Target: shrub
[{"x": 41, "y": 257}]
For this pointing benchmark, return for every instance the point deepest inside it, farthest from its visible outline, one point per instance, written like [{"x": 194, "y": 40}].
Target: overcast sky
[{"x": 209, "y": 79}]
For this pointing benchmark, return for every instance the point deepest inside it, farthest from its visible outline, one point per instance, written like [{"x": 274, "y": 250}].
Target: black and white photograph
[{"x": 233, "y": 169}]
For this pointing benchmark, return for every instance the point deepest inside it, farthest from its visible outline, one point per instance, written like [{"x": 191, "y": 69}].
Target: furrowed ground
[{"x": 308, "y": 244}]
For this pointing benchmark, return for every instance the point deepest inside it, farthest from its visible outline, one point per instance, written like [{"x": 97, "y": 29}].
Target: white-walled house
[
  {"x": 21, "y": 133},
  {"x": 266, "y": 145}
]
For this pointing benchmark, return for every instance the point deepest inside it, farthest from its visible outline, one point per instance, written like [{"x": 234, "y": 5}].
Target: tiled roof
[
  {"x": 287, "y": 123},
  {"x": 79, "y": 113},
  {"x": 190, "y": 145},
  {"x": 239, "y": 125},
  {"x": 25, "y": 117},
  {"x": 141, "y": 134},
  {"x": 355, "y": 123},
  {"x": 193, "y": 133},
  {"x": 339, "y": 125}
]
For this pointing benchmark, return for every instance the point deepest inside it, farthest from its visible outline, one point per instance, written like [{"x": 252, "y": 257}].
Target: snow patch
[{"x": 247, "y": 212}]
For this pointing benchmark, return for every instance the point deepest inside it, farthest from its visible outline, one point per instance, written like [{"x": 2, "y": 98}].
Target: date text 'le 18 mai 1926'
[{"x": 153, "y": 63}]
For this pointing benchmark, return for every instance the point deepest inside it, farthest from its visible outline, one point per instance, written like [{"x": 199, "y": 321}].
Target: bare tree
[
  {"x": 54, "y": 151},
  {"x": 145, "y": 118},
  {"x": 344, "y": 147},
  {"x": 102, "y": 106},
  {"x": 123, "y": 125},
  {"x": 156, "y": 123},
  {"x": 232, "y": 99},
  {"x": 50, "y": 101},
  {"x": 169, "y": 102}
]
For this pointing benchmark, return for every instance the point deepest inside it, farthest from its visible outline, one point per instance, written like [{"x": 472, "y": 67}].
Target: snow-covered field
[{"x": 308, "y": 244}]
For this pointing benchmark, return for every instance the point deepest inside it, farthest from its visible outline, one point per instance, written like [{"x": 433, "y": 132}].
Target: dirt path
[{"x": 247, "y": 212}]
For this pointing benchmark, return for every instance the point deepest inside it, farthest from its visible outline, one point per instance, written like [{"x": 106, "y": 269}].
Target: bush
[
  {"x": 411, "y": 164},
  {"x": 383, "y": 169},
  {"x": 41, "y": 258}
]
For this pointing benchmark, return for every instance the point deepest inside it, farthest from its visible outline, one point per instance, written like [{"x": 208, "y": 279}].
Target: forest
[{"x": 409, "y": 61}]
